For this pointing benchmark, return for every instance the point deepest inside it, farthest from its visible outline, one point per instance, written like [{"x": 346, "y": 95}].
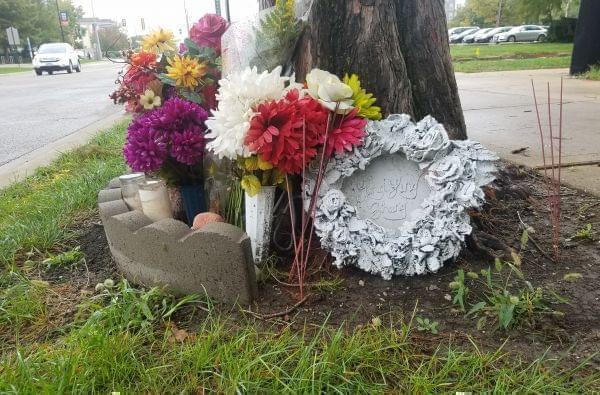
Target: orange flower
[{"x": 143, "y": 59}]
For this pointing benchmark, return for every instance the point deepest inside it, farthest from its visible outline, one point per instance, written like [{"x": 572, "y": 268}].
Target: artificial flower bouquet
[
  {"x": 273, "y": 122},
  {"x": 282, "y": 126},
  {"x": 169, "y": 91}
]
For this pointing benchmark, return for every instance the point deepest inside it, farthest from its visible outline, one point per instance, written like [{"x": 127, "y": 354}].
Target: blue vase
[{"x": 193, "y": 199}]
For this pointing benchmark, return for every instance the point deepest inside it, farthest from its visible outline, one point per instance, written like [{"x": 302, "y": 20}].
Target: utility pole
[
  {"x": 98, "y": 54},
  {"x": 227, "y": 15},
  {"x": 62, "y": 32}
]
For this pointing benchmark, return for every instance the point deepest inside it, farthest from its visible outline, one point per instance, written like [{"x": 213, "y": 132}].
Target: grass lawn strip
[
  {"x": 124, "y": 338},
  {"x": 503, "y": 57},
  {"x": 35, "y": 214}
]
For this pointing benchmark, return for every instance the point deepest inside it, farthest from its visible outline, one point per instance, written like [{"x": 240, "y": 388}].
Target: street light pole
[{"x": 62, "y": 32}]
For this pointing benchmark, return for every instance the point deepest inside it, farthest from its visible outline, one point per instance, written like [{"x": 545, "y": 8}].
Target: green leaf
[
  {"x": 191, "y": 96},
  {"x": 572, "y": 277},
  {"x": 481, "y": 322},
  {"x": 524, "y": 238},
  {"x": 476, "y": 307},
  {"x": 192, "y": 47},
  {"x": 505, "y": 314},
  {"x": 165, "y": 79}
]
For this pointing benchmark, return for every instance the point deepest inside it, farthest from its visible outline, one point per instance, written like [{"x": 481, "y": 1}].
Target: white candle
[
  {"x": 155, "y": 200},
  {"x": 130, "y": 189}
]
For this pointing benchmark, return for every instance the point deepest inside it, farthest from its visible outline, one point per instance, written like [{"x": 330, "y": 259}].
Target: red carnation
[{"x": 348, "y": 135}]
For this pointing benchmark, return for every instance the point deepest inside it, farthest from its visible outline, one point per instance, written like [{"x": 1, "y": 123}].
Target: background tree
[
  {"x": 38, "y": 20},
  {"x": 399, "y": 48},
  {"x": 586, "y": 48},
  {"x": 112, "y": 38},
  {"x": 484, "y": 13}
]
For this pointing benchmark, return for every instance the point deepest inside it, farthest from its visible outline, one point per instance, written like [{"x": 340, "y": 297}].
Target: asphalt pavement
[{"x": 38, "y": 111}]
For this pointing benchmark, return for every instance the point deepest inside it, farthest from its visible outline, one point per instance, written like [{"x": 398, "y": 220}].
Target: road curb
[{"x": 25, "y": 165}]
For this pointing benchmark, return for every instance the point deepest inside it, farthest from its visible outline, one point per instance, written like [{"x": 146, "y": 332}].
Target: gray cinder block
[{"x": 216, "y": 260}]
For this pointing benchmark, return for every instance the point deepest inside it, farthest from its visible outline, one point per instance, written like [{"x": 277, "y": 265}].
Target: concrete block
[
  {"x": 114, "y": 183},
  {"x": 216, "y": 260},
  {"x": 108, "y": 195}
]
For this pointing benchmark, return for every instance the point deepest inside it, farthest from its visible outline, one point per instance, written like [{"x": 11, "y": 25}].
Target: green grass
[
  {"x": 36, "y": 214},
  {"x": 501, "y": 57},
  {"x": 125, "y": 345},
  {"x": 593, "y": 74},
  {"x": 509, "y": 50},
  {"x": 14, "y": 69},
  {"x": 120, "y": 338},
  {"x": 478, "y": 66}
]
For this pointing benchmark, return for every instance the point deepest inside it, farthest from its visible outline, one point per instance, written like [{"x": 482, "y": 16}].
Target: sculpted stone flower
[
  {"x": 330, "y": 91},
  {"x": 332, "y": 202},
  {"x": 426, "y": 141},
  {"x": 447, "y": 169}
]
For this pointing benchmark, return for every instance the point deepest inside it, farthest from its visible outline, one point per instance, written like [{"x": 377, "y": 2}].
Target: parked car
[
  {"x": 53, "y": 57},
  {"x": 470, "y": 38},
  {"x": 522, "y": 33},
  {"x": 458, "y": 37},
  {"x": 486, "y": 37},
  {"x": 457, "y": 30}
]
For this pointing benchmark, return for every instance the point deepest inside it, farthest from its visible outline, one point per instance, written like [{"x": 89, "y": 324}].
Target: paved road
[{"x": 36, "y": 111}]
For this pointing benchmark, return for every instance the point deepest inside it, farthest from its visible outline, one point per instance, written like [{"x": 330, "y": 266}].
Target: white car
[
  {"x": 54, "y": 57},
  {"x": 522, "y": 33}
]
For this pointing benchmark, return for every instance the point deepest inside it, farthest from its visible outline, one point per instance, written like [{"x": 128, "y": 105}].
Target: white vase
[{"x": 259, "y": 218}]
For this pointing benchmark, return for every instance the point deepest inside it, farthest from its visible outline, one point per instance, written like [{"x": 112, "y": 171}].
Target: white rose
[{"x": 330, "y": 91}]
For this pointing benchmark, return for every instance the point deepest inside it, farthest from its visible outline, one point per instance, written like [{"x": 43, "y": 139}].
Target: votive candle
[
  {"x": 130, "y": 189},
  {"x": 155, "y": 200}
]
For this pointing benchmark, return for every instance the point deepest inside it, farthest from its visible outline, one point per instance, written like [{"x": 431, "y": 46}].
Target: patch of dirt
[{"x": 518, "y": 197}]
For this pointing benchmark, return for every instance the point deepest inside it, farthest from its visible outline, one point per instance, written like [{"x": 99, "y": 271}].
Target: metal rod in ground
[{"x": 537, "y": 112}]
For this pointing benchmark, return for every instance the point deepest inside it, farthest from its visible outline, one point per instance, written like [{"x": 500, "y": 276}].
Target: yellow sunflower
[
  {"x": 186, "y": 71},
  {"x": 159, "y": 41}
]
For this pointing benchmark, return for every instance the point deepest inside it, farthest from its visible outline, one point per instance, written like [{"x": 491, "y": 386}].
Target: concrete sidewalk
[{"x": 500, "y": 113}]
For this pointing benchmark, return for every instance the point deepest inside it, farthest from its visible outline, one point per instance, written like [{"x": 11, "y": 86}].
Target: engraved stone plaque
[{"x": 388, "y": 191}]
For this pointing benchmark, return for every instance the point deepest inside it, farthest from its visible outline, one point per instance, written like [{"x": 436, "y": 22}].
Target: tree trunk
[
  {"x": 586, "y": 48},
  {"x": 399, "y": 48},
  {"x": 264, "y": 4}
]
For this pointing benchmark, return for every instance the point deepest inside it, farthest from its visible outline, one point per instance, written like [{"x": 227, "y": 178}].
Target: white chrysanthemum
[{"x": 238, "y": 94}]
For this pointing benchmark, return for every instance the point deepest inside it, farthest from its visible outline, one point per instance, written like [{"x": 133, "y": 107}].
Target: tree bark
[
  {"x": 399, "y": 48},
  {"x": 586, "y": 48},
  {"x": 264, "y": 4}
]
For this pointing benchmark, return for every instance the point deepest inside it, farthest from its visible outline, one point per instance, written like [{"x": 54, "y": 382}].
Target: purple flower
[
  {"x": 188, "y": 146},
  {"x": 146, "y": 148},
  {"x": 177, "y": 128},
  {"x": 182, "y": 48},
  {"x": 176, "y": 114}
]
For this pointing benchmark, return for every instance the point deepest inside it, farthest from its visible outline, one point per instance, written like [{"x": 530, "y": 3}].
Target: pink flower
[
  {"x": 208, "y": 30},
  {"x": 349, "y": 134}
]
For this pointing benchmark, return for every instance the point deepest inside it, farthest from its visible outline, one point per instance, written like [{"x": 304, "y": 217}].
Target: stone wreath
[{"x": 454, "y": 172}]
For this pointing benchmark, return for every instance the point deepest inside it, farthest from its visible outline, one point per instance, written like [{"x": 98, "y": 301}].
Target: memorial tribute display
[
  {"x": 396, "y": 205},
  {"x": 378, "y": 191}
]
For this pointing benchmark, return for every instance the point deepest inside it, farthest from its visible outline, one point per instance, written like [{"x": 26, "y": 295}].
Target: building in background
[{"x": 88, "y": 40}]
